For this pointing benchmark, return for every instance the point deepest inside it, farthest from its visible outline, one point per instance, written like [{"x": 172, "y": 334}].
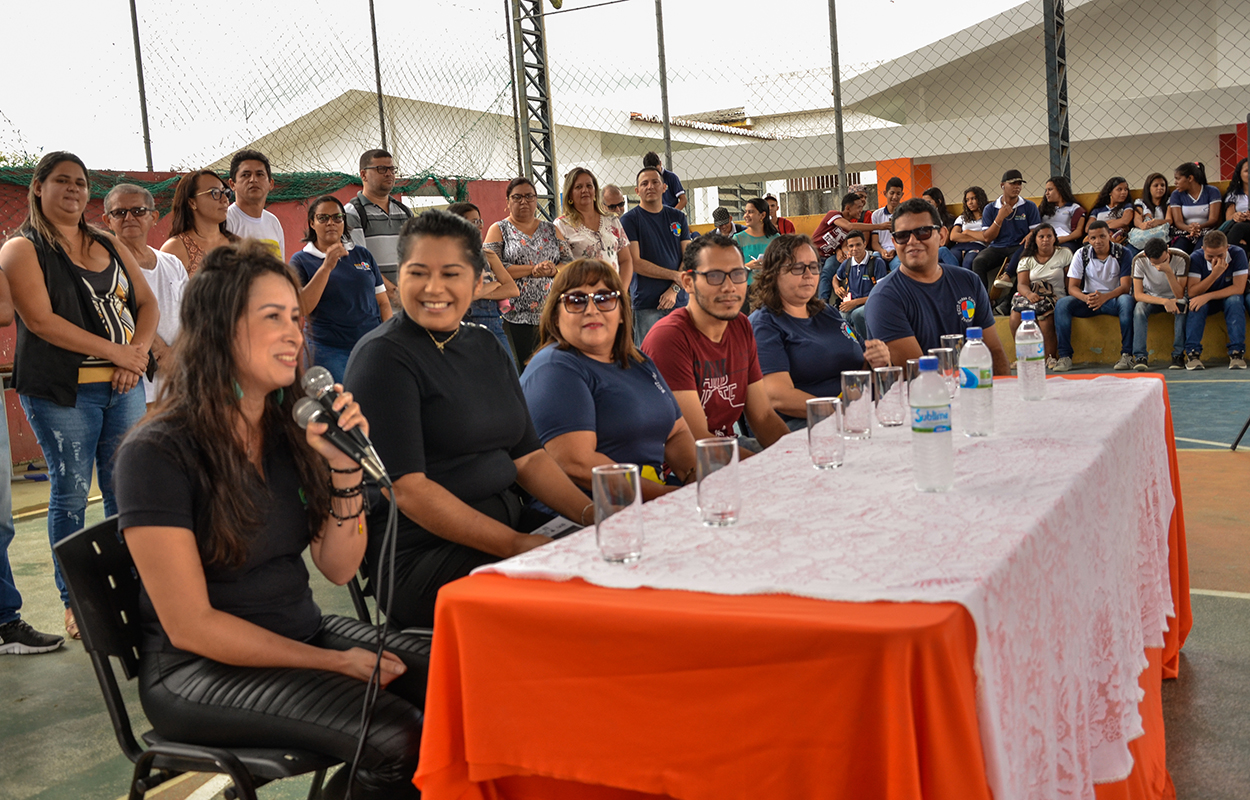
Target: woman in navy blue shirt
[
  {"x": 595, "y": 398},
  {"x": 804, "y": 344},
  {"x": 343, "y": 293}
]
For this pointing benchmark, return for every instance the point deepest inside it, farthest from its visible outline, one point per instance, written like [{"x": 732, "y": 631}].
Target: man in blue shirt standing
[
  {"x": 658, "y": 236},
  {"x": 913, "y": 307},
  {"x": 1100, "y": 281},
  {"x": 1217, "y": 281},
  {"x": 1005, "y": 223},
  {"x": 674, "y": 194}
]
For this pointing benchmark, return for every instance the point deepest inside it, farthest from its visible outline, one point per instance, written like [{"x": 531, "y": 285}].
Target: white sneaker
[
  {"x": 1125, "y": 362},
  {"x": 1062, "y": 365}
]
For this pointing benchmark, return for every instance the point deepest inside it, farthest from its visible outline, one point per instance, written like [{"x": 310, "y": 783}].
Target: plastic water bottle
[
  {"x": 1030, "y": 358},
  {"x": 932, "y": 452},
  {"x": 976, "y": 378}
]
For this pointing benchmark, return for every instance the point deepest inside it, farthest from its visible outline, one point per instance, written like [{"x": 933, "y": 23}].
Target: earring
[{"x": 238, "y": 390}]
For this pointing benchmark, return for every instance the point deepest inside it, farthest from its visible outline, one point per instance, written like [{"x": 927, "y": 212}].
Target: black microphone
[
  {"x": 318, "y": 384},
  {"x": 308, "y": 410}
]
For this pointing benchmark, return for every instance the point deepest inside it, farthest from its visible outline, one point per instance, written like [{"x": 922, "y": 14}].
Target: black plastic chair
[
  {"x": 104, "y": 593},
  {"x": 360, "y": 587}
]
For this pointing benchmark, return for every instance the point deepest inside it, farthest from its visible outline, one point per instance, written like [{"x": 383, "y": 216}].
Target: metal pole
[
  {"x": 1057, "y": 87},
  {"x": 143, "y": 96},
  {"x": 513, "y": 47},
  {"x": 377, "y": 73},
  {"x": 659, "y": 38},
  {"x": 839, "y": 142}
]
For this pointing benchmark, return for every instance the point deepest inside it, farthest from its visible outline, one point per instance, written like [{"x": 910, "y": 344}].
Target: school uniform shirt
[
  {"x": 659, "y": 237},
  {"x": 672, "y": 188},
  {"x": 1239, "y": 202},
  {"x": 1052, "y": 270},
  {"x": 900, "y": 306},
  {"x": 719, "y": 371},
  {"x": 348, "y": 308},
  {"x": 1107, "y": 213},
  {"x": 1065, "y": 219},
  {"x": 1200, "y": 269},
  {"x": 968, "y": 225},
  {"x": 859, "y": 279},
  {"x": 885, "y": 238},
  {"x": 1154, "y": 282},
  {"x": 1025, "y": 218},
  {"x": 1100, "y": 274},
  {"x": 1147, "y": 214},
  {"x": 266, "y": 229},
  {"x": 814, "y": 350},
  {"x": 1195, "y": 212}
]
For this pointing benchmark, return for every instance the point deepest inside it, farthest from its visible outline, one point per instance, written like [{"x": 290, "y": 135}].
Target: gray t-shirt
[
  {"x": 1154, "y": 282},
  {"x": 383, "y": 236}
]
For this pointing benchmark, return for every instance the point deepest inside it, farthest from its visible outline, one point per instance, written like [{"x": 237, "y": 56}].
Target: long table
[{"x": 719, "y": 673}]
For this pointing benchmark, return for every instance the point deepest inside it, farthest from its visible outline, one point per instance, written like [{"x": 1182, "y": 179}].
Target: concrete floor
[{"x": 56, "y": 741}]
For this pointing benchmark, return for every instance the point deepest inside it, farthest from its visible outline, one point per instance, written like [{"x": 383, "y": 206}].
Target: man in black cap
[
  {"x": 1005, "y": 223},
  {"x": 724, "y": 222}
]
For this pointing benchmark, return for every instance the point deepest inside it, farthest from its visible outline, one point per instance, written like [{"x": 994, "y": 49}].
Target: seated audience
[
  {"x": 706, "y": 351},
  {"x": 915, "y": 305},
  {"x": 1060, "y": 210},
  {"x": 498, "y": 287},
  {"x": 853, "y": 281},
  {"x": 803, "y": 343},
  {"x": 451, "y": 425},
  {"x": 934, "y": 195},
  {"x": 774, "y": 209},
  {"x": 966, "y": 229},
  {"x": 831, "y": 232},
  {"x": 1159, "y": 277},
  {"x": 198, "y": 218},
  {"x": 1114, "y": 206},
  {"x": 589, "y": 228},
  {"x": 1099, "y": 282},
  {"x": 1217, "y": 282},
  {"x": 882, "y": 244},
  {"x": 219, "y": 494},
  {"x": 594, "y": 397},
  {"x": 1237, "y": 206},
  {"x": 723, "y": 222},
  {"x": 1005, "y": 224},
  {"x": 760, "y": 231},
  {"x": 1041, "y": 279},
  {"x": 343, "y": 293},
  {"x": 1194, "y": 208},
  {"x": 1150, "y": 218}
]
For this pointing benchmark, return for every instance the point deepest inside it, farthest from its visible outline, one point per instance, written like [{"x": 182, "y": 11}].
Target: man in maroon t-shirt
[
  {"x": 706, "y": 351},
  {"x": 831, "y": 232}
]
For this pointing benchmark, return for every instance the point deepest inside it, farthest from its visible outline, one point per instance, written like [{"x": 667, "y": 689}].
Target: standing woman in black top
[
  {"x": 450, "y": 423},
  {"x": 220, "y": 493},
  {"x": 86, "y": 318}
]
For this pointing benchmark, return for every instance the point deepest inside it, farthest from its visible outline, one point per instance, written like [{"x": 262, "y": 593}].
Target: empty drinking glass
[
  {"x": 618, "y": 511},
  {"x": 857, "y": 404},
  {"x": 948, "y": 368},
  {"x": 890, "y": 401},
  {"x": 825, "y": 442},
  {"x": 954, "y": 341},
  {"x": 716, "y": 468}
]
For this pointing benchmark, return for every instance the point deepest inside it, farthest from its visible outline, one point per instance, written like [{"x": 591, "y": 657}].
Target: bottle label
[
  {"x": 935, "y": 419},
  {"x": 1030, "y": 351},
  {"x": 980, "y": 378}
]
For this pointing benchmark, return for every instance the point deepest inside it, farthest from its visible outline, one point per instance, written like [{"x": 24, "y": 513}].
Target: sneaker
[
  {"x": 1125, "y": 362},
  {"x": 19, "y": 639},
  {"x": 1178, "y": 362},
  {"x": 1236, "y": 360},
  {"x": 1140, "y": 364},
  {"x": 1062, "y": 365},
  {"x": 1051, "y": 361},
  {"x": 1192, "y": 361}
]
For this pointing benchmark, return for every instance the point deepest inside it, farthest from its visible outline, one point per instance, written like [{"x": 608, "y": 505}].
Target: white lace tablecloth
[{"x": 1055, "y": 538}]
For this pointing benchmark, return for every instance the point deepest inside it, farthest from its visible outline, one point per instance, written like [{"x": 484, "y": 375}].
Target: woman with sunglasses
[
  {"x": 532, "y": 250},
  {"x": 594, "y": 397},
  {"x": 199, "y": 218},
  {"x": 343, "y": 295},
  {"x": 591, "y": 230},
  {"x": 498, "y": 288},
  {"x": 804, "y": 344}
]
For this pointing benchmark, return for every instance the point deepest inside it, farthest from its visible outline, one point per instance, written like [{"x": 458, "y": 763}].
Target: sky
[{"x": 222, "y": 73}]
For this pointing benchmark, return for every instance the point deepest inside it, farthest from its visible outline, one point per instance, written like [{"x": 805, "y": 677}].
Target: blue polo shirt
[
  {"x": 900, "y": 307},
  {"x": 1200, "y": 269},
  {"x": 1196, "y": 212},
  {"x": 1014, "y": 229},
  {"x": 856, "y": 277},
  {"x": 659, "y": 237},
  {"x": 348, "y": 308},
  {"x": 672, "y": 188}
]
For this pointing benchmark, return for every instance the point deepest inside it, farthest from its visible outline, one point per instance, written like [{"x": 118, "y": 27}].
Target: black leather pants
[{"x": 200, "y": 701}]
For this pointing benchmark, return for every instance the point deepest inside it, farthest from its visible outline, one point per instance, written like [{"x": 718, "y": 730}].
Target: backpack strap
[{"x": 359, "y": 205}]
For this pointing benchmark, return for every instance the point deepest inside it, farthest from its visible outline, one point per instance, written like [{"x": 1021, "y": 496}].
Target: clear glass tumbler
[
  {"x": 948, "y": 368},
  {"x": 617, "y": 493},
  {"x": 825, "y": 442},
  {"x": 891, "y": 403},
  {"x": 716, "y": 468},
  {"x": 857, "y": 404}
]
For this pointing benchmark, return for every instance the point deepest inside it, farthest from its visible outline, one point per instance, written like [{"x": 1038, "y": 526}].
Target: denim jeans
[
  {"x": 1234, "y": 319},
  {"x": 644, "y": 319},
  {"x": 73, "y": 440},
  {"x": 1141, "y": 318},
  {"x": 1069, "y": 307},
  {"x": 10, "y": 600},
  {"x": 332, "y": 358},
  {"x": 494, "y": 324},
  {"x": 859, "y": 321}
]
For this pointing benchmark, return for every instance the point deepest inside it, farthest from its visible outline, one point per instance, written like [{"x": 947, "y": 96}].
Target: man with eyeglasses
[
  {"x": 374, "y": 218},
  {"x": 658, "y": 236},
  {"x": 130, "y": 213},
  {"x": 706, "y": 351},
  {"x": 1005, "y": 224},
  {"x": 614, "y": 199},
  {"x": 912, "y": 308},
  {"x": 252, "y": 181}
]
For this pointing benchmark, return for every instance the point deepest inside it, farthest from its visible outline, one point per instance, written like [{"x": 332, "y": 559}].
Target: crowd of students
[{"x": 493, "y": 372}]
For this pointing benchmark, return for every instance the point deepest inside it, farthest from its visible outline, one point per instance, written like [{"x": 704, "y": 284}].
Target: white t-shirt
[
  {"x": 1052, "y": 270},
  {"x": 267, "y": 229},
  {"x": 968, "y": 226},
  {"x": 1239, "y": 202},
  {"x": 884, "y": 237},
  {"x": 1100, "y": 274},
  {"x": 1146, "y": 214},
  {"x": 168, "y": 280},
  {"x": 1154, "y": 282}
]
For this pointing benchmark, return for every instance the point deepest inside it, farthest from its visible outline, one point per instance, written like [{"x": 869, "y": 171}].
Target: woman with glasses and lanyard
[
  {"x": 199, "y": 218},
  {"x": 343, "y": 295},
  {"x": 531, "y": 249},
  {"x": 498, "y": 287},
  {"x": 804, "y": 344},
  {"x": 595, "y": 398},
  {"x": 591, "y": 230}
]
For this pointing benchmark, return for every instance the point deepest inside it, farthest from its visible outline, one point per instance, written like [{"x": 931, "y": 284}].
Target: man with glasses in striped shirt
[{"x": 374, "y": 218}]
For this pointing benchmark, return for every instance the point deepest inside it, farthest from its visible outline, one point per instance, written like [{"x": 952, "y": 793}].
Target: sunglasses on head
[
  {"x": 578, "y": 302},
  {"x": 923, "y": 233}
]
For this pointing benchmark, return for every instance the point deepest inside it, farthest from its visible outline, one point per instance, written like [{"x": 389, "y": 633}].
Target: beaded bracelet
[{"x": 356, "y": 468}]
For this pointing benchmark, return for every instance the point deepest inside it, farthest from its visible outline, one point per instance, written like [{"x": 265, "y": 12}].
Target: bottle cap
[
  {"x": 972, "y": 333},
  {"x": 1028, "y": 316},
  {"x": 928, "y": 364}
]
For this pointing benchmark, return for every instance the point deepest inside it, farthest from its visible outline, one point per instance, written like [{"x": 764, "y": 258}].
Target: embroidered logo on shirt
[
  {"x": 676, "y": 228},
  {"x": 967, "y": 308},
  {"x": 849, "y": 333}
]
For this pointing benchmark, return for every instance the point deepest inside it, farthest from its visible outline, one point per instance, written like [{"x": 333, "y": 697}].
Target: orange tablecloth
[{"x": 566, "y": 690}]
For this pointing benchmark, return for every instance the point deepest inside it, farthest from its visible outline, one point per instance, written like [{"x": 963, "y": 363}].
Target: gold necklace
[{"x": 442, "y": 344}]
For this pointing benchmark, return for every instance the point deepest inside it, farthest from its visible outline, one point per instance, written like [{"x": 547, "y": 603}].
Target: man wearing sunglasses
[
  {"x": 374, "y": 218},
  {"x": 614, "y": 199},
  {"x": 706, "y": 351},
  {"x": 252, "y": 181},
  {"x": 913, "y": 307}
]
